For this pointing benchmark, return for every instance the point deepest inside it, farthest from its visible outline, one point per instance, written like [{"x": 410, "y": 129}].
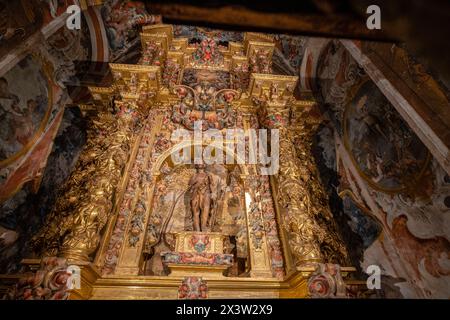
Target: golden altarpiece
[{"x": 127, "y": 216}]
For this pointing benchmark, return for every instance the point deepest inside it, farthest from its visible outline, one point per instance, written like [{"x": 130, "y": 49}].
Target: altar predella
[{"x": 140, "y": 225}]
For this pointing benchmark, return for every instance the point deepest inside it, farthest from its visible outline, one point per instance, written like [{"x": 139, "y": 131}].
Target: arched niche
[
  {"x": 166, "y": 158},
  {"x": 170, "y": 208}
]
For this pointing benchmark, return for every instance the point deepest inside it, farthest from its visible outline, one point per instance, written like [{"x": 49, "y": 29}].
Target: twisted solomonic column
[
  {"x": 300, "y": 196},
  {"x": 73, "y": 228}
]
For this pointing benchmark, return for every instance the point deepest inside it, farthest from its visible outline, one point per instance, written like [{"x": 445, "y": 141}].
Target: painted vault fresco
[
  {"x": 24, "y": 106},
  {"x": 386, "y": 172},
  {"x": 385, "y": 150},
  {"x": 121, "y": 19},
  {"x": 40, "y": 140},
  {"x": 19, "y": 20}
]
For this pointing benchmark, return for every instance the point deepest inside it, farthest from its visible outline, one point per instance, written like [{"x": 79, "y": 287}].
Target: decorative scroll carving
[
  {"x": 327, "y": 282},
  {"x": 240, "y": 219},
  {"x": 137, "y": 223},
  {"x": 172, "y": 70},
  {"x": 204, "y": 102},
  {"x": 270, "y": 226},
  {"x": 310, "y": 222},
  {"x": 258, "y": 240},
  {"x": 132, "y": 190},
  {"x": 47, "y": 283},
  {"x": 212, "y": 259}
]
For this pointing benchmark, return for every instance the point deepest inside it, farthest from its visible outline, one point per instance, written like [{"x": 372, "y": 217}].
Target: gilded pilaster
[
  {"x": 131, "y": 254},
  {"x": 257, "y": 243}
]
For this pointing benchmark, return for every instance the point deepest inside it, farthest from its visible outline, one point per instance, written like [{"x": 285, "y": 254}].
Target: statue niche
[{"x": 193, "y": 202}]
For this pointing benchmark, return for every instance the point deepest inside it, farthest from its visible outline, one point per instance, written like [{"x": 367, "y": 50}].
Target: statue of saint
[{"x": 202, "y": 197}]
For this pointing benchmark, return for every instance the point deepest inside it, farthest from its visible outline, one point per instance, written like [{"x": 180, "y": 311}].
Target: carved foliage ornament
[
  {"x": 207, "y": 54},
  {"x": 74, "y": 225},
  {"x": 205, "y": 103},
  {"x": 308, "y": 221}
]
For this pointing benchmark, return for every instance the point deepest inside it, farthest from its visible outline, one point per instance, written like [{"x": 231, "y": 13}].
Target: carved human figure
[{"x": 202, "y": 197}]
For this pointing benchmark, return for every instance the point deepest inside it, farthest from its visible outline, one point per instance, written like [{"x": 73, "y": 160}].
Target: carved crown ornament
[{"x": 166, "y": 58}]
